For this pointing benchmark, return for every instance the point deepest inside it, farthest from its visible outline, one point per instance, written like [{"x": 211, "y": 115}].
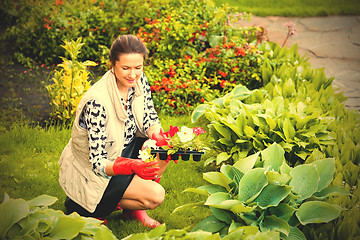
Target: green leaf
[
  {"x": 305, "y": 180},
  {"x": 251, "y": 184},
  {"x": 274, "y": 223},
  {"x": 189, "y": 205},
  {"x": 137, "y": 236},
  {"x": 12, "y": 211},
  {"x": 249, "y": 131},
  {"x": 289, "y": 130},
  {"x": 209, "y": 224},
  {"x": 222, "y": 130},
  {"x": 104, "y": 233},
  {"x": 330, "y": 192},
  {"x": 213, "y": 188},
  {"x": 277, "y": 178},
  {"x": 67, "y": 228},
  {"x": 158, "y": 231},
  {"x": 273, "y": 156},
  {"x": 222, "y": 215},
  {"x": 218, "y": 179},
  {"x": 246, "y": 164},
  {"x": 283, "y": 211},
  {"x": 198, "y": 191},
  {"x": 198, "y": 112},
  {"x": 272, "y": 195},
  {"x": 241, "y": 208},
  {"x": 222, "y": 157},
  {"x": 217, "y": 198},
  {"x": 43, "y": 200},
  {"x": 317, "y": 212},
  {"x": 294, "y": 234},
  {"x": 326, "y": 170},
  {"x": 271, "y": 123}
]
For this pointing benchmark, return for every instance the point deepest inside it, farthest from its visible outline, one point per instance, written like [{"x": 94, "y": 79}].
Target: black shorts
[{"x": 115, "y": 189}]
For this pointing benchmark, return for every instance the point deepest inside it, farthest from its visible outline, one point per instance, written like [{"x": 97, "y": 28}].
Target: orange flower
[{"x": 59, "y": 2}]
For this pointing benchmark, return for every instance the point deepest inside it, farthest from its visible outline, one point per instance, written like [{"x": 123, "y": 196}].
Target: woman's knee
[{"x": 155, "y": 197}]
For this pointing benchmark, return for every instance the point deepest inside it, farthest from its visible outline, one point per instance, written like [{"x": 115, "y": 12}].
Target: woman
[{"x": 99, "y": 168}]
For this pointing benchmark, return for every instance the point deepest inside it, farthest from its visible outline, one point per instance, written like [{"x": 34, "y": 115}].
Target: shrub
[
  {"x": 261, "y": 190},
  {"x": 70, "y": 82},
  {"x": 46, "y": 24},
  {"x": 33, "y": 219}
]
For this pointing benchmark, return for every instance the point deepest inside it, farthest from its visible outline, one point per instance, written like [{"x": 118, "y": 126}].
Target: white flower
[
  {"x": 144, "y": 155},
  {"x": 186, "y": 134},
  {"x": 150, "y": 143}
]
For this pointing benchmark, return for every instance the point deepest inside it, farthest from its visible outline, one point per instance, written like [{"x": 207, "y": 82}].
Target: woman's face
[{"x": 128, "y": 70}]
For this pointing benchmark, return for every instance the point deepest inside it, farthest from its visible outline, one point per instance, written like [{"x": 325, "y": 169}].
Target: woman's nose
[{"x": 132, "y": 73}]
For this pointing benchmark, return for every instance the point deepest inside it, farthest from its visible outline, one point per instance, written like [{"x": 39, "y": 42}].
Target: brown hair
[{"x": 126, "y": 44}]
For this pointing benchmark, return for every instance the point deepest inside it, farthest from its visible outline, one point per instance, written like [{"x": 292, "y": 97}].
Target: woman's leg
[{"x": 142, "y": 195}]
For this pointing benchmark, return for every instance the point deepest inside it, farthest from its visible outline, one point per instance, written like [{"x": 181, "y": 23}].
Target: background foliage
[{"x": 196, "y": 56}]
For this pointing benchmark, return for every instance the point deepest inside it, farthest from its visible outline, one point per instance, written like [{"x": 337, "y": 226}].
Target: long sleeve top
[{"x": 93, "y": 118}]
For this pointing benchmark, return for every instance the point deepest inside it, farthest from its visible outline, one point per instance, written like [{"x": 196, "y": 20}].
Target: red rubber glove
[
  {"x": 127, "y": 166},
  {"x": 160, "y": 138}
]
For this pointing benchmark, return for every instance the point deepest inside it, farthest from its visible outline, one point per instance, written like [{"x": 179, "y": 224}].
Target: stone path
[{"x": 332, "y": 43}]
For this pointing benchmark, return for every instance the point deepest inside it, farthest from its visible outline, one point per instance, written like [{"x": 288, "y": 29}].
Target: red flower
[
  {"x": 239, "y": 51},
  {"x": 198, "y": 130},
  {"x": 202, "y": 100},
  {"x": 223, "y": 74},
  {"x": 172, "y": 131}
]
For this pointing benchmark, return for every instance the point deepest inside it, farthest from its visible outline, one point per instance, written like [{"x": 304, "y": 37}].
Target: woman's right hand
[{"x": 127, "y": 166}]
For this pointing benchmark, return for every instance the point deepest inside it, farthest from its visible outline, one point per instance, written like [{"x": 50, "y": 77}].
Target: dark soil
[{"x": 22, "y": 90}]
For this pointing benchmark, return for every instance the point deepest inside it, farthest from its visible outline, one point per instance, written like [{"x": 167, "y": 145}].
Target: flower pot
[
  {"x": 175, "y": 156},
  {"x": 185, "y": 156},
  {"x": 197, "y": 157},
  {"x": 163, "y": 156}
]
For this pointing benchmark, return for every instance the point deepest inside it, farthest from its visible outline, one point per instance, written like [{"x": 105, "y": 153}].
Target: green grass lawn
[
  {"x": 298, "y": 8},
  {"x": 29, "y": 168}
]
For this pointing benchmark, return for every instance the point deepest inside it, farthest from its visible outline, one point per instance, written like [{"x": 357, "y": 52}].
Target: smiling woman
[{"x": 100, "y": 170}]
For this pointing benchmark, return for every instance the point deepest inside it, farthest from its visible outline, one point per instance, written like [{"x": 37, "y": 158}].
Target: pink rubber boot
[{"x": 141, "y": 216}]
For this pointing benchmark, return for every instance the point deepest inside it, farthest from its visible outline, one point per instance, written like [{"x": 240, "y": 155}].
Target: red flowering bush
[{"x": 41, "y": 26}]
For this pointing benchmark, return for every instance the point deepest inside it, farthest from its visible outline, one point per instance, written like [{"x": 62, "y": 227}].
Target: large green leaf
[
  {"x": 222, "y": 215},
  {"x": 317, "y": 212},
  {"x": 288, "y": 129},
  {"x": 330, "y": 192},
  {"x": 104, "y": 233},
  {"x": 273, "y": 156},
  {"x": 277, "y": 178},
  {"x": 272, "y": 195},
  {"x": 198, "y": 112},
  {"x": 158, "y": 231},
  {"x": 326, "y": 170},
  {"x": 222, "y": 130},
  {"x": 294, "y": 234},
  {"x": 274, "y": 223},
  {"x": 246, "y": 164},
  {"x": 251, "y": 184},
  {"x": 189, "y": 205},
  {"x": 305, "y": 180},
  {"x": 242, "y": 208},
  {"x": 283, "y": 211},
  {"x": 222, "y": 157},
  {"x": 218, "y": 179},
  {"x": 12, "y": 211},
  {"x": 67, "y": 228},
  {"x": 43, "y": 200},
  {"x": 217, "y": 198},
  {"x": 209, "y": 224},
  {"x": 213, "y": 188}
]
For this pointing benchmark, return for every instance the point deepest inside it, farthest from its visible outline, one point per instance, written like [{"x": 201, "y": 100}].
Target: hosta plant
[
  {"x": 262, "y": 190},
  {"x": 241, "y": 128},
  {"x": 21, "y": 219},
  {"x": 245, "y": 232},
  {"x": 70, "y": 81}
]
